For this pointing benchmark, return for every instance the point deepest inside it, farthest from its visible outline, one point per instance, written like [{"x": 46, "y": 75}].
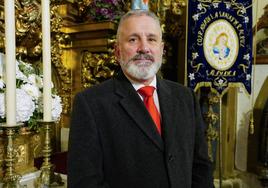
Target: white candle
[
  {"x": 10, "y": 62},
  {"x": 47, "y": 100}
]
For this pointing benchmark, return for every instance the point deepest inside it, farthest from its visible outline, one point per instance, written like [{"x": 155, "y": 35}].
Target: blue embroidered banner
[{"x": 219, "y": 44}]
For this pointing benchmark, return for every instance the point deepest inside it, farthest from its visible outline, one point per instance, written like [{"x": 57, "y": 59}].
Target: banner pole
[
  {"x": 220, "y": 142},
  {"x": 251, "y": 123}
]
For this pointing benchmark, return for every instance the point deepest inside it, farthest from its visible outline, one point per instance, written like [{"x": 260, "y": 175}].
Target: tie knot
[{"x": 146, "y": 91}]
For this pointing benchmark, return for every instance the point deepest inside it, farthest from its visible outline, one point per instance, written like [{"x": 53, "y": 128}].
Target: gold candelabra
[
  {"x": 11, "y": 179},
  {"x": 47, "y": 176}
]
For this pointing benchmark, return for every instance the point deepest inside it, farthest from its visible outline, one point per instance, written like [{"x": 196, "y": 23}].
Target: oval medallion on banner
[{"x": 221, "y": 45}]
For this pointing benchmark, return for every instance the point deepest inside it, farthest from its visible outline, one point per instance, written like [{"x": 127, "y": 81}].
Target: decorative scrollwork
[
  {"x": 97, "y": 67},
  {"x": 60, "y": 38},
  {"x": 211, "y": 118},
  {"x": 29, "y": 41},
  {"x": 241, "y": 9}
]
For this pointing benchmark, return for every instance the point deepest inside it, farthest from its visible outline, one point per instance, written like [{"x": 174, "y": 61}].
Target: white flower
[
  {"x": 2, "y": 60},
  {"x": 2, "y": 105},
  {"x": 56, "y": 107},
  {"x": 29, "y": 96},
  {"x": 20, "y": 75},
  {"x": 32, "y": 78},
  {"x": 26, "y": 66},
  {"x": 38, "y": 81},
  {"x": 25, "y": 106},
  {"x": 35, "y": 80},
  {"x": 32, "y": 90},
  {"x": 2, "y": 84}
]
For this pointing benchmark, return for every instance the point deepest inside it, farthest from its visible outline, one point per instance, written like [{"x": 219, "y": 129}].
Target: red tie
[{"x": 147, "y": 94}]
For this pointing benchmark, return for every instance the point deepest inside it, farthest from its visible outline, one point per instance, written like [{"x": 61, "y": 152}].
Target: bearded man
[{"x": 137, "y": 130}]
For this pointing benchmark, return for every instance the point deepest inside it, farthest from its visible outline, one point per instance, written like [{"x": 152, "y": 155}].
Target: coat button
[{"x": 170, "y": 158}]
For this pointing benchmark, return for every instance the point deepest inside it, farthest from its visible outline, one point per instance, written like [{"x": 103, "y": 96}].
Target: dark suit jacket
[{"x": 114, "y": 143}]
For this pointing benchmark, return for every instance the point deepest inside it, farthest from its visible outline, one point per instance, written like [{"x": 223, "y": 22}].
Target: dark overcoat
[{"x": 114, "y": 143}]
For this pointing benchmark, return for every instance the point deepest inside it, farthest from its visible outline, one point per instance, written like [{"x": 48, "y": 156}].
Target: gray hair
[{"x": 137, "y": 12}]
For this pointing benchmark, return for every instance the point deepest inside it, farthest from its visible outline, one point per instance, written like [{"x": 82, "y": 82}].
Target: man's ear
[
  {"x": 163, "y": 47},
  {"x": 116, "y": 51}
]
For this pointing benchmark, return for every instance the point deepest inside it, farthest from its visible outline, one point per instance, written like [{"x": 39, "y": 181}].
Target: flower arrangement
[
  {"x": 29, "y": 98},
  {"x": 105, "y": 10}
]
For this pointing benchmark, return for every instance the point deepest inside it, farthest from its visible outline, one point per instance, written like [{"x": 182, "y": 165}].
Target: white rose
[
  {"x": 39, "y": 81},
  {"x": 2, "y": 105},
  {"x": 19, "y": 74},
  {"x": 32, "y": 90},
  {"x": 2, "y": 61},
  {"x": 56, "y": 107},
  {"x": 25, "y": 106},
  {"x": 2, "y": 84},
  {"x": 32, "y": 79}
]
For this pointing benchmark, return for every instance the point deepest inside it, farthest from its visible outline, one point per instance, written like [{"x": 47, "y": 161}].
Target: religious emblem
[
  {"x": 221, "y": 45},
  {"x": 219, "y": 51}
]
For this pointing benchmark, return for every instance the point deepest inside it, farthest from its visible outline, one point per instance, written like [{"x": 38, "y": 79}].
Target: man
[{"x": 115, "y": 142}]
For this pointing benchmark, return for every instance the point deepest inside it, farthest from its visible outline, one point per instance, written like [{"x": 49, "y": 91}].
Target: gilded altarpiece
[{"x": 28, "y": 144}]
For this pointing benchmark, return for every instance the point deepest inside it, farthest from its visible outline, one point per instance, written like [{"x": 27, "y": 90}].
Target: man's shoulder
[
  {"x": 179, "y": 91},
  {"x": 176, "y": 86}
]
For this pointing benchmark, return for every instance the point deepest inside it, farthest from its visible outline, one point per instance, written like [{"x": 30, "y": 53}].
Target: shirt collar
[{"x": 137, "y": 86}]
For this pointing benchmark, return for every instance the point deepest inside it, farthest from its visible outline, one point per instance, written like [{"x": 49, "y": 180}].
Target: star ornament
[
  {"x": 220, "y": 82},
  {"x": 216, "y": 5},
  {"x": 199, "y": 6},
  {"x": 228, "y": 5},
  {"x": 196, "y": 17},
  {"x": 246, "y": 57},
  {"x": 194, "y": 55},
  {"x": 191, "y": 76}
]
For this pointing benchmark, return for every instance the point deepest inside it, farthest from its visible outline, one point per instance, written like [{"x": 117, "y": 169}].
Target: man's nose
[{"x": 143, "y": 47}]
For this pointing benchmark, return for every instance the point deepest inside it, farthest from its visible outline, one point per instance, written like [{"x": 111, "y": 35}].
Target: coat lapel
[
  {"x": 170, "y": 108},
  {"x": 135, "y": 108}
]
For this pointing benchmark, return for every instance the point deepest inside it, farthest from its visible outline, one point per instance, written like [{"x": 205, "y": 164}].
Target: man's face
[{"x": 139, "y": 48}]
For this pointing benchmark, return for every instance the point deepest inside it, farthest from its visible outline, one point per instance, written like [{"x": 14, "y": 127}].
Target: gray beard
[{"x": 141, "y": 71}]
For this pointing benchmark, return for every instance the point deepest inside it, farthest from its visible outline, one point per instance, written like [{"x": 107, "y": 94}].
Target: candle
[
  {"x": 46, "y": 60},
  {"x": 10, "y": 62}
]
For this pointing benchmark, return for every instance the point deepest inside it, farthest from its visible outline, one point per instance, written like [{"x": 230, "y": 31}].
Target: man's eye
[
  {"x": 132, "y": 40},
  {"x": 152, "y": 39}
]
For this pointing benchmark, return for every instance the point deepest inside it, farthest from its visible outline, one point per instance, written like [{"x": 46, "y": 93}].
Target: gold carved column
[{"x": 88, "y": 54}]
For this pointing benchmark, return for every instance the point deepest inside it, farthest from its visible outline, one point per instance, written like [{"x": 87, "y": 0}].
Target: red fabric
[{"x": 147, "y": 94}]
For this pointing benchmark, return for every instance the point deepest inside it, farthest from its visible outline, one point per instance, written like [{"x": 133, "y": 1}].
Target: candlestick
[
  {"x": 47, "y": 100},
  {"x": 10, "y": 62},
  {"x": 47, "y": 176},
  {"x": 11, "y": 178}
]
